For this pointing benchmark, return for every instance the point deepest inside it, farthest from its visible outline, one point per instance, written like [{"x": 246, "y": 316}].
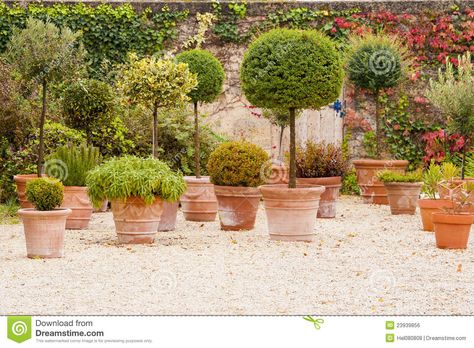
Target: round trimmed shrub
[
  {"x": 320, "y": 160},
  {"x": 45, "y": 193},
  {"x": 238, "y": 164}
]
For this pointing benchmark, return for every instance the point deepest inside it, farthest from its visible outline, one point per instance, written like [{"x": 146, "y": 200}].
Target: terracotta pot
[
  {"x": 199, "y": 203},
  {"x": 430, "y": 206},
  {"x": 168, "y": 216},
  {"x": 444, "y": 194},
  {"x": 44, "y": 232},
  {"x": 372, "y": 190},
  {"x": 452, "y": 230},
  {"x": 403, "y": 196},
  {"x": 20, "y": 181},
  {"x": 76, "y": 199},
  {"x": 327, "y": 203},
  {"x": 135, "y": 221},
  {"x": 103, "y": 208},
  {"x": 237, "y": 207},
  {"x": 290, "y": 212}
]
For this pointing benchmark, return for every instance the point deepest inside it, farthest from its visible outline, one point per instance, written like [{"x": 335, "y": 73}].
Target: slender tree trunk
[
  {"x": 378, "y": 128},
  {"x": 197, "y": 145},
  {"x": 280, "y": 146},
  {"x": 292, "y": 182},
  {"x": 155, "y": 131},
  {"x": 41, "y": 135}
]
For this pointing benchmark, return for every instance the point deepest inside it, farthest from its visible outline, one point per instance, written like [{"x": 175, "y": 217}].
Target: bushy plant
[
  {"x": 88, "y": 106},
  {"x": 431, "y": 179},
  {"x": 210, "y": 76},
  {"x": 291, "y": 69},
  {"x": 113, "y": 139},
  {"x": 70, "y": 164},
  {"x": 42, "y": 54},
  {"x": 453, "y": 94},
  {"x": 238, "y": 164},
  {"x": 45, "y": 193},
  {"x": 392, "y": 176},
  {"x": 377, "y": 62},
  {"x": 128, "y": 176},
  {"x": 319, "y": 160},
  {"x": 349, "y": 183}
]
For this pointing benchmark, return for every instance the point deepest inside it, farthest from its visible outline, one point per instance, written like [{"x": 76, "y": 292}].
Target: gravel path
[{"x": 365, "y": 261}]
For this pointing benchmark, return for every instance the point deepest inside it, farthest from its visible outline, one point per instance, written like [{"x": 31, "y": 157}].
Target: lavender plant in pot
[
  {"x": 292, "y": 69},
  {"x": 322, "y": 164}
]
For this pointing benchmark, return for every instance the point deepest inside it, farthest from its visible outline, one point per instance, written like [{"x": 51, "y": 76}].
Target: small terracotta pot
[
  {"x": 135, "y": 221},
  {"x": 327, "y": 203},
  {"x": 403, "y": 196},
  {"x": 103, "y": 208},
  {"x": 44, "y": 232},
  {"x": 168, "y": 216},
  {"x": 291, "y": 212},
  {"x": 430, "y": 206},
  {"x": 76, "y": 199},
  {"x": 199, "y": 203},
  {"x": 372, "y": 190},
  {"x": 452, "y": 230},
  {"x": 237, "y": 207},
  {"x": 20, "y": 181}
]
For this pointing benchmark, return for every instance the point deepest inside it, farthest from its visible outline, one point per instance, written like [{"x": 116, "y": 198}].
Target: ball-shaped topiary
[
  {"x": 238, "y": 164},
  {"x": 45, "y": 193},
  {"x": 293, "y": 69}
]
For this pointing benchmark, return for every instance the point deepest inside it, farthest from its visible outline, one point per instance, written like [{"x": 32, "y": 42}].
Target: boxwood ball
[{"x": 289, "y": 68}]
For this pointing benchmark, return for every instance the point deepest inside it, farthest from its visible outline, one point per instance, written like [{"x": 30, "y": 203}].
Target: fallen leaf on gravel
[
  {"x": 459, "y": 268},
  {"x": 233, "y": 241},
  {"x": 305, "y": 254}
]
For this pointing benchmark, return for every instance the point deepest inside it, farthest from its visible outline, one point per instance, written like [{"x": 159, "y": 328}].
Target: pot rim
[
  {"x": 415, "y": 184},
  {"x": 369, "y": 162},
  {"x": 25, "y": 177},
  {"x": 201, "y": 180},
  {"x": 461, "y": 215},
  {"x": 34, "y": 212},
  {"x": 301, "y": 188}
]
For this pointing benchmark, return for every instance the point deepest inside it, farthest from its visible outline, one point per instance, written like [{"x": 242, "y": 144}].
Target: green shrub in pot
[{"x": 45, "y": 194}]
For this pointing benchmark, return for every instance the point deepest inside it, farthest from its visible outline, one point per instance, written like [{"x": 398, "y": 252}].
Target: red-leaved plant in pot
[
  {"x": 291, "y": 69},
  {"x": 236, "y": 171},
  {"x": 322, "y": 164},
  {"x": 45, "y": 224}
]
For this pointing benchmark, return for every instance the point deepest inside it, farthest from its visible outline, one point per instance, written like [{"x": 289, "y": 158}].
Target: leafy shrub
[
  {"x": 128, "y": 176},
  {"x": 238, "y": 164},
  {"x": 318, "y": 160},
  {"x": 431, "y": 179},
  {"x": 74, "y": 163},
  {"x": 349, "y": 183},
  {"x": 370, "y": 144},
  {"x": 45, "y": 193},
  {"x": 88, "y": 106},
  {"x": 113, "y": 139},
  {"x": 392, "y": 176}
]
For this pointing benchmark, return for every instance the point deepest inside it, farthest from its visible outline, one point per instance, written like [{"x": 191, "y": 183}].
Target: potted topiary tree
[
  {"x": 199, "y": 202},
  {"x": 375, "y": 63},
  {"x": 235, "y": 169},
  {"x": 74, "y": 162},
  {"x": 136, "y": 187},
  {"x": 156, "y": 84},
  {"x": 44, "y": 225},
  {"x": 403, "y": 190},
  {"x": 322, "y": 164},
  {"x": 43, "y": 54},
  {"x": 293, "y": 69}
]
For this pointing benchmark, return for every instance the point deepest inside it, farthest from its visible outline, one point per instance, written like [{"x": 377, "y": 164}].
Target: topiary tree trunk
[
  {"x": 197, "y": 145},
  {"x": 41, "y": 133},
  {"x": 378, "y": 128},
  {"x": 155, "y": 131},
  {"x": 292, "y": 182}
]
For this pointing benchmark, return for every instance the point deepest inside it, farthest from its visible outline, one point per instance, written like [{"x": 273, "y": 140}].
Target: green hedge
[{"x": 108, "y": 33}]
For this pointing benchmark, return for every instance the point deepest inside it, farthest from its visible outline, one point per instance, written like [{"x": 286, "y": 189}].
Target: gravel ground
[{"x": 364, "y": 262}]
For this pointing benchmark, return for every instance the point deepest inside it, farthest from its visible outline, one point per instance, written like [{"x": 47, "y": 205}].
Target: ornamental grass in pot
[
  {"x": 403, "y": 190},
  {"x": 199, "y": 202},
  {"x": 70, "y": 164},
  {"x": 375, "y": 63},
  {"x": 291, "y": 69},
  {"x": 136, "y": 188},
  {"x": 322, "y": 164},
  {"x": 45, "y": 224},
  {"x": 235, "y": 169}
]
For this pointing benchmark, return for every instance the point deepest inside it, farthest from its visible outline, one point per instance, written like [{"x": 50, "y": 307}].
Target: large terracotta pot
[
  {"x": 168, "y": 216},
  {"x": 20, "y": 181},
  {"x": 44, "y": 232},
  {"x": 135, "y": 221},
  {"x": 327, "y": 203},
  {"x": 430, "y": 206},
  {"x": 291, "y": 212},
  {"x": 199, "y": 203},
  {"x": 403, "y": 196},
  {"x": 76, "y": 199},
  {"x": 372, "y": 190},
  {"x": 452, "y": 230},
  {"x": 237, "y": 207}
]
